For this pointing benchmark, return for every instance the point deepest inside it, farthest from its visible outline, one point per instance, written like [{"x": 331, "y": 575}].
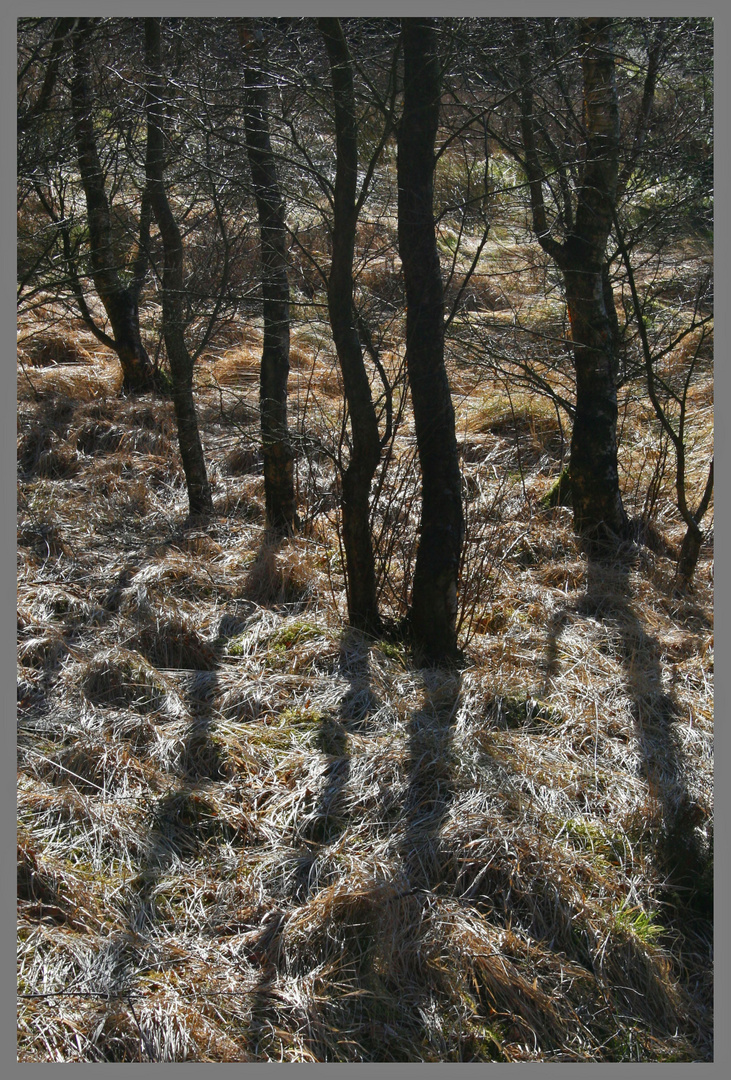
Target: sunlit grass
[{"x": 247, "y": 833}]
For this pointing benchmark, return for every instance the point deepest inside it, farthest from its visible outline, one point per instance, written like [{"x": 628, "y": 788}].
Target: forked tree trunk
[
  {"x": 433, "y": 612},
  {"x": 599, "y": 515},
  {"x": 181, "y": 364},
  {"x": 279, "y": 492},
  {"x": 120, "y": 301},
  {"x": 366, "y": 448},
  {"x": 690, "y": 549}
]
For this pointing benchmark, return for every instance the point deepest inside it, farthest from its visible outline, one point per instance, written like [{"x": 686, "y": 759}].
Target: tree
[
  {"x": 433, "y": 613},
  {"x": 599, "y": 515},
  {"x": 57, "y": 142},
  {"x": 670, "y": 200},
  {"x": 181, "y": 363},
  {"x": 366, "y": 448},
  {"x": 281, "y": 512},
  {"x": 120, "y": 300},
  {"x": 675, "y": 427}
]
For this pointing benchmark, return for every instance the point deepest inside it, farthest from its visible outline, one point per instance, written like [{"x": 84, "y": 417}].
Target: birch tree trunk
[{"x": 366, "y": 448}]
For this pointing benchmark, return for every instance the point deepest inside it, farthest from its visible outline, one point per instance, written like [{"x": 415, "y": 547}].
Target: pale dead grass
[
  {"x": 51, "y": 348},
  {"x": 247, "y": 834},
  {"x": 100, "y": 379}
]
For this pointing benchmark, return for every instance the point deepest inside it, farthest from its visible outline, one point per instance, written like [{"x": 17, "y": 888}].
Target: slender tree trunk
[
  {"x": 599, "y": 516},
  {"x": 433, "y": 612},
  {"x": 598, "y": 512},
  {"x": 690, "y": 549},
  {"x": 181, "y": 365},
  {"x": 366, "y": 448},
  {"x": 120, "y": 302},
  {"x": 279, "y": 493},
  {"x": 693, "y": 540}
]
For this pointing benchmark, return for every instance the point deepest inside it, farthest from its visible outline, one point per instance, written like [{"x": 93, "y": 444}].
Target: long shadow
[
  {"x": 327, "y": 819},
  {"x": 430, "y": 790},
  {"x": 420, "y": 867},
  {"x": 679, "y": 856},
  {"x": 324, "y": 823},
  {"x": 181, "y": 819}
]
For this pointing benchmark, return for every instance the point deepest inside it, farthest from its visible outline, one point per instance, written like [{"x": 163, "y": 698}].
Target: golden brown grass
[{"x": 249, "y": 834}]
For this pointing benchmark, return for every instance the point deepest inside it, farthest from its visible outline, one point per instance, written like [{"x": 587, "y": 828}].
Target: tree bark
[
  {"x": 181, "y": 364},
  {"x": 598, "y": 512},
  {"x": 366, "y": 448},
  {"x": 690, "y": 549},
  {"x": 433, "y": 612},
  {"x": 120, "y": 302},
  {"x": 279, "y": 495},
  {"x": 599, "y": 515}
]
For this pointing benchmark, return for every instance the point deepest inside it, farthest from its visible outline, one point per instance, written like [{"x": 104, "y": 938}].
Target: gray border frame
[{"x": 9, "y": 12}]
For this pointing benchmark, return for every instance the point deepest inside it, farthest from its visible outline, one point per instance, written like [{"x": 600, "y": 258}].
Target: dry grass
[{"x": 249, "y": 834}]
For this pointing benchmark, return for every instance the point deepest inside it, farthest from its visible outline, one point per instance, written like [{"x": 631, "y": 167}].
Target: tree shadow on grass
[
  {"x": 321, "y": 827},
  {"x": 393, "y": 956},
  {"x": 430, "y": 789},
  {"x": 327, "y": 819},
  {"x": 183, "y": 820},
  {"x": 679, "y": 855}
]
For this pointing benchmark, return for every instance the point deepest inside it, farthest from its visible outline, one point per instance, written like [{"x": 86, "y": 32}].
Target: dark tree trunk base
[
  {"x": 687, "y": 562},
  {"x": 281, "y": 511},
  {"x": 138, "y": 374},
  {"x": 362, "y": 604}
]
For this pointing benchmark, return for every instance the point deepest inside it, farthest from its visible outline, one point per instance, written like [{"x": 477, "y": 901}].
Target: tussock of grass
[
  {"x": 48, "y": 348},
  {"x": 123, "y": 677},
  {"x": 283, "y": 575},
  {"x": 175, "y": 644},
  {"x": 101, "y": 379},
  {"x": 242, "y": 460}
]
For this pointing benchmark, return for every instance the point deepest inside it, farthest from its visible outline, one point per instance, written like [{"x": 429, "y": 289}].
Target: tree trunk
[
  {"x": 181, "y": 365},
  {"x": 120, "y": 302},
  {"x": 281, "y": 515},
  {"x": 433, "y": 612},
  {"x": 366, "y": 448},
  {"x": 690, "y": 551},
  {"x": 599, "y": 516}
]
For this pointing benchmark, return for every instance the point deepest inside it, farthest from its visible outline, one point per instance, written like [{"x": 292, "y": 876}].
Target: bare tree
[
  {"x": 433, "y": 613},
  {"x": 181, "y": 363},
  {"x": 279, "y": 495},
  {"x": 675, "y": 426},
  {"x": 120, "y": 300},
  {"x": 366, "y": 448},
  {"x": 599, "y": 515}
]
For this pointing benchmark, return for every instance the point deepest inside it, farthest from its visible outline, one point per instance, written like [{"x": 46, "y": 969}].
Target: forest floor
[{"x": 248, "y": 833}]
